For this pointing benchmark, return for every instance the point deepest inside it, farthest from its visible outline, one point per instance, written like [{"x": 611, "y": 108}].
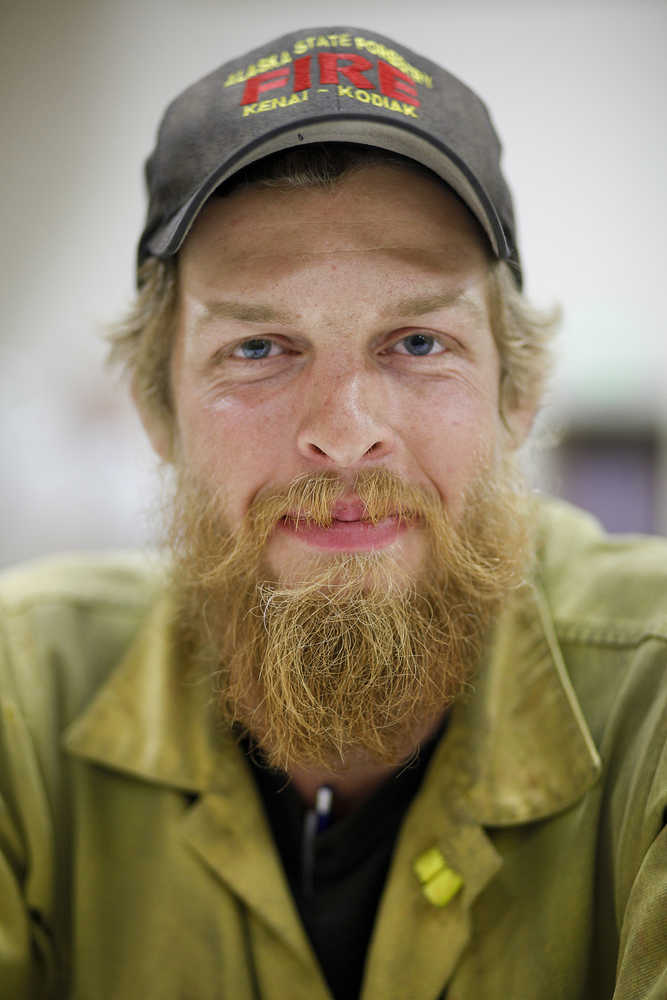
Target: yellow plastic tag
[
  {"x": 429, "y": 864},
  {"x": 439, "y": 882}
]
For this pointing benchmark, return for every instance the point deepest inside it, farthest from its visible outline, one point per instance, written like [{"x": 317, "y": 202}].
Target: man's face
[
  {"x": 344, "y": 526},
  {"x": 339, "y": 331}
]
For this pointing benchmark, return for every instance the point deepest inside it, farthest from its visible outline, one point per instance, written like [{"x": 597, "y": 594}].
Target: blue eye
[
  {"x": 418, "y": 344},
  {"x": 256, "y": 349}
]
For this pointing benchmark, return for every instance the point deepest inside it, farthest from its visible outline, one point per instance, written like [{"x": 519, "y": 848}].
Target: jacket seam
[
  {"x": 604, "y": 634},
  {"x": 20, "y": 606}
]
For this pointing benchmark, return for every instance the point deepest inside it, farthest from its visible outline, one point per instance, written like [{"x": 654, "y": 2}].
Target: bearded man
[{"x": 382, "y": 725}]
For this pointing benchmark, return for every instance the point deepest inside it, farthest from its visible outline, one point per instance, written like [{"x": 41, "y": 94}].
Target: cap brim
[{"x": 361, "y": 129}]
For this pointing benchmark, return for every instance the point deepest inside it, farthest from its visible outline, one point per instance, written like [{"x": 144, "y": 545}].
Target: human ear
[
  {"x": 157, "y": 424},
  {"x": 517, "y": 415}
]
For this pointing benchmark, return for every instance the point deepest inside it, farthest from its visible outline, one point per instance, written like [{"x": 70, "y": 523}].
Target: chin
[{"x": 391, "y": 568}]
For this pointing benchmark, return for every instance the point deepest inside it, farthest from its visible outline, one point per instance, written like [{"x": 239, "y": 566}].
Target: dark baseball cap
[{"x": 320, "y": 85}]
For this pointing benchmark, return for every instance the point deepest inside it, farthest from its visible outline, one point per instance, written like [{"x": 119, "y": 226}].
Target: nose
[{"x": 344, "y": 421}]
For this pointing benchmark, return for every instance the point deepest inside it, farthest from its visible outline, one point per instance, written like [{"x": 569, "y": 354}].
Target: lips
[
  {"x": 351, "y": 509},
  {"x": 352, "y": 535},
  {"x": 343, "y": 511}
]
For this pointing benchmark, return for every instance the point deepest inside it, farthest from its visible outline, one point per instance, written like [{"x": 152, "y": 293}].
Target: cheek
[
  {"x": 455, "y": 418},
  {"x": 453, "y": 434},
  {"x": 231, "y": 443}
]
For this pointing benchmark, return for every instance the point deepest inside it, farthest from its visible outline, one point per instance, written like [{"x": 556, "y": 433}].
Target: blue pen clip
[
  {"x": 315, "y": 821},
  {"x": 323, "y": 805}
]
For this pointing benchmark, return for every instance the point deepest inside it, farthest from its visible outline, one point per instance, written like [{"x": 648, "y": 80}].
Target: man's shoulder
[
  {"x": 606, "y": 612},
  {"x": 81, "y": 578},
  {"x": 66, "y": 621},
  {"x": 601, "y": 587}
]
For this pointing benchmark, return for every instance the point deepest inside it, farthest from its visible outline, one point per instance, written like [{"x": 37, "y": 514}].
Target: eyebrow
[
  {"x": 420, "y": 305},
  {"x": 256, "y": 312},
  {"x": 246, "y": 312}
]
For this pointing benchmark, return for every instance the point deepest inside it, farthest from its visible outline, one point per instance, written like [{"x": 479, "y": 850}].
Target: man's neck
[
  {"x": 355, "y": 782},
  {"x": 350, "y": 787}
]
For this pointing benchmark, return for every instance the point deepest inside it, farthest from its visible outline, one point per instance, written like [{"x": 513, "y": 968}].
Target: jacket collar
[
  {"x": 154, "y": 717},
  {"x": 520, "y": 744}
]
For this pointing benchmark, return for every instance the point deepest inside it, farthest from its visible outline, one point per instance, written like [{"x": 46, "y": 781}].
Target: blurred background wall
[{"x": 578, "y": 91}]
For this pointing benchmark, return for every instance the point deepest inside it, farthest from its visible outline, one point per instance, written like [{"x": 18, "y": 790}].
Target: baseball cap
[{"x": 317, "y": 85}]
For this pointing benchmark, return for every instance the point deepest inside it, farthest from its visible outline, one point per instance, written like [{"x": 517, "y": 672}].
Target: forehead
[{"x": 373, "y": 212}]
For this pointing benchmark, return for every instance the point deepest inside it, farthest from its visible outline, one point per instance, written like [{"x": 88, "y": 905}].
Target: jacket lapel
[{"x": 230, "y": 835}]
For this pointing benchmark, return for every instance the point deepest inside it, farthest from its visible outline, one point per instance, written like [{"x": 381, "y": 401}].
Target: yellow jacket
[{"x": 135, "y": 860}]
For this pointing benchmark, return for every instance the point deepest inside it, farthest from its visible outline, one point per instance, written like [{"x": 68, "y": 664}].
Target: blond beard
[{"x": 355, "y": 660}]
